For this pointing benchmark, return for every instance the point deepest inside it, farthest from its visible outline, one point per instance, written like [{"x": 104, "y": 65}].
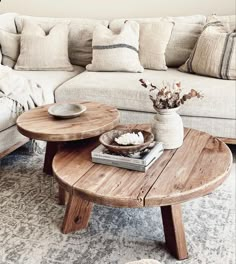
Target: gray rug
[{"x": 30, "y": 219}]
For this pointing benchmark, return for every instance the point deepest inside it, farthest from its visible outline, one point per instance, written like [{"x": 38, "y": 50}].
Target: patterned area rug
[{"x": 30, "y": 219}]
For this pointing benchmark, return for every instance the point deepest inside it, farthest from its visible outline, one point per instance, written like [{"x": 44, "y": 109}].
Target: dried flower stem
[{"x": 168, "y": 95}]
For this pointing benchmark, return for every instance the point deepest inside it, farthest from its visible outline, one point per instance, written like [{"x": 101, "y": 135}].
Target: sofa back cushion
[
  {"x": 183, "y": 38},
  {"x": 10, "y": 48},
  {"x": 7, "y": 23},
  {"x": 80, "y": 34},
  {"x": 228, "y": 21}
]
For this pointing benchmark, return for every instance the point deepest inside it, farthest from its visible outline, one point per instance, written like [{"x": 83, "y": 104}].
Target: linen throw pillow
[
  {"x": 153, "y": 41},
  {"x": 116, "y": 52},
  {"x": 183, "y": 38},
  {"x": 39, "y": 51},
  {"x": 214, "y": 54},
  {"x": 10, "y": 48},
  {"x": 80, "y": 34}
]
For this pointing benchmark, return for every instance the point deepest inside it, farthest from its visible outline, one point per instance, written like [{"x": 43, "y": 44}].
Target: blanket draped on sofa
[{"x": 25, "y": 93}]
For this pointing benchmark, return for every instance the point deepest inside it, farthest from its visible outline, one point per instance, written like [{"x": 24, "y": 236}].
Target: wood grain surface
[
  {"x": 195, "y": 169},
  {"x": 174, "y": 230},
  {"x": 38, "y": 124},
  {"x": 77, "y": 214}
]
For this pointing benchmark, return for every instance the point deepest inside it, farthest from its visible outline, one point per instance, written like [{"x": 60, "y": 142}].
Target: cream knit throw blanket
[{"x": 25, "y": 93}]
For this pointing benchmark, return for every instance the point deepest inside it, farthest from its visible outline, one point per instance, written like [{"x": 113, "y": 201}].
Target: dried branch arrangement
[{"x": 168, "y": 95}]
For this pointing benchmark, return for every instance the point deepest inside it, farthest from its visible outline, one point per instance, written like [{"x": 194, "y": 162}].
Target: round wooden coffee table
[
  {"x": 38, "y": 124},
  {"x": 200, "y": 165}
]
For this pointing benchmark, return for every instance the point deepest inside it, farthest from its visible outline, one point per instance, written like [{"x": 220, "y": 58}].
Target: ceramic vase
[{"x": 168, "y": 128}]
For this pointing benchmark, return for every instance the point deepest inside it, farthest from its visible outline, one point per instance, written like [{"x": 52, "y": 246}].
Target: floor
[{"x": 30, "y": 219}]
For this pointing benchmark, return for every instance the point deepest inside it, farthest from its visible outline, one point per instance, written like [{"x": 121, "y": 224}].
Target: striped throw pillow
[
  {"x": 116, "y": 52},
  {"x": 214, "y": 54}
]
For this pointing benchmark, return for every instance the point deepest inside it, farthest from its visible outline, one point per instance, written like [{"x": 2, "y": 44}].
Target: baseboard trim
[{"x": 14, "y": 147}]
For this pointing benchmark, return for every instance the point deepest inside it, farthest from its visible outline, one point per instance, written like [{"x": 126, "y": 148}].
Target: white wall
[{"x": 117, "y": 8}]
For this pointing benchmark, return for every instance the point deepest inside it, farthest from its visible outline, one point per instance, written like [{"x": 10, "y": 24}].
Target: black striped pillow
[
  {"x": 116, "y": 52},
  {"x": 214, "y": 54}
]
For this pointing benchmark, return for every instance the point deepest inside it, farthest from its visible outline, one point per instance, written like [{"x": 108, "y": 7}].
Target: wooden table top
[
  {"x": 200, "y": 165},
  {"x": 38, "y": 124}
]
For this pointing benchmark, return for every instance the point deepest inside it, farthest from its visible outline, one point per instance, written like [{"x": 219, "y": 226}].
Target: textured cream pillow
[
  {"x": 116, "y": 52},
  {"x": 10, "y": 48},
  {"x": 184, "y": 35},
  {"x": 80, "y": 34},
  {"x": 39, "y": 51},
  {"x": 153, "y": 41},
  {"x": 214, "y": 54}
]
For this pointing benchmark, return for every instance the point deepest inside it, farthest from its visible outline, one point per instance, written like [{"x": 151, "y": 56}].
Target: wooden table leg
[
  {"x": 174, "y": 230},
  {"x": 61, "y": 195},
  {"x": 51, "y": 150},
  {"x": 77, "y": 214}
]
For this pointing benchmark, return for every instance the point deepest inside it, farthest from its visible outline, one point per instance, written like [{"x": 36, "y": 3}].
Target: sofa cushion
[
  {"x": 41, "y": 52},
  {"x": 215, "y": 126},
  {"x": 183, "y": 38},
  {"x": 7, "y": 22},
  {"x": 116, "y": 52},
  {"x": 49, "y": 81},
  {"x": 10, "y": 48},
  {"x": 80, "y": 34},
  {"x": 124, "y": 91},
  {"x": 228, "y": 21}
]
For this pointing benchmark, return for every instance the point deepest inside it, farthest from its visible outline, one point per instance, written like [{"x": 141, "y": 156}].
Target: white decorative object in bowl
[
  {"x": 130, "y": 139},
  {"x": 66, "y": 110},
  {"x": 167, "y": 127},
  {"x": 108, "y": 140}
]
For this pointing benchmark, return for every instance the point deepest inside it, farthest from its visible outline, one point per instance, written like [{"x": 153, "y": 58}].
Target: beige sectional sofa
[{"x": 215, "y": 114}]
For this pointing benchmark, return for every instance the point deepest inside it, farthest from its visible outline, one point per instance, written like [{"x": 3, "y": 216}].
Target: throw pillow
[
  {"x": 214, "y": 54},
  {"x": 39, "y": 51},
  {"x": 10, "y": 48},
  {"x": 153, "y": 41},
  {"x": 183, "y": 38},
  {"x": 80, "y": 34},
  {"x": 116, "y": 52}
]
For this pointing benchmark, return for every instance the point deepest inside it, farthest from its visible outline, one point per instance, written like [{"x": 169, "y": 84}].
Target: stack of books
[{"x": 140, "y": 161}]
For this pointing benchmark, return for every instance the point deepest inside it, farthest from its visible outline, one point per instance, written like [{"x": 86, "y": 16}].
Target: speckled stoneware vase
[{"x": 168, "y": 128}]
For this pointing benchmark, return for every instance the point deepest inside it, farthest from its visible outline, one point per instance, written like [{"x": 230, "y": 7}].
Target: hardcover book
[{"x": 140, "y": 161}]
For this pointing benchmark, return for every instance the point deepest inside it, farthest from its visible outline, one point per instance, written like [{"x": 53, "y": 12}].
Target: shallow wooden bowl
[
  {"x": 66, "y": 110},
  {"x": 108, "y": 140}
]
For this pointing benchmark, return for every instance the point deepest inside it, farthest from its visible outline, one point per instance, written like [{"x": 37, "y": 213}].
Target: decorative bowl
[
  {"x": 66, "y": 110},
  {"x": 108, "y": 140}
]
